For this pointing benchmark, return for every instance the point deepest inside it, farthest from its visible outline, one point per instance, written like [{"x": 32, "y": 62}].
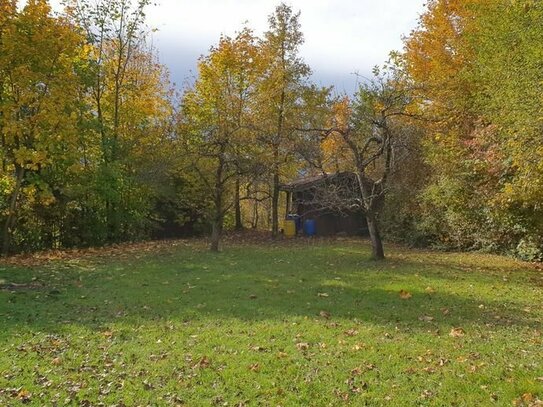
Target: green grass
[{"x": 180, "y": 326}]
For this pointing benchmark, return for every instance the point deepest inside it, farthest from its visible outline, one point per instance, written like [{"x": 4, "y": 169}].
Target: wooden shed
[{"x": 310, "y": 198}]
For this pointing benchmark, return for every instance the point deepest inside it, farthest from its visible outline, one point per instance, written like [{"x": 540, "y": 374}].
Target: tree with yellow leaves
[
  {"x": 128, "y": 100},
  {"x": 38, "y": 54},
  {"x": 279, "y": 92},
  {"x": 216, "y": 124}
]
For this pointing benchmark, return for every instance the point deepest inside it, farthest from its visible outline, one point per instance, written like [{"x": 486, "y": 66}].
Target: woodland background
[{"x": 98, "y": 147}]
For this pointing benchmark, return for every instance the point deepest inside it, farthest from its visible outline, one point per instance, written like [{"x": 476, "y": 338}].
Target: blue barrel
[{"x": 310, "y": 228}]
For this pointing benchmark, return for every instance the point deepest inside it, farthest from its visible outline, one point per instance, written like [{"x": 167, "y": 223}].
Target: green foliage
[
  {"x": 85, "y": 110},
  {"x": 92, "y": 149},
  {"x": 182, "y": 208},
  {"x": 477, "y": 67},
  {"x": 529, "y": 249}
]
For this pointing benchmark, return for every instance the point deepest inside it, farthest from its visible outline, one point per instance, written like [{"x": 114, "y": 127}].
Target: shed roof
[{"x": 310, "y": 181}]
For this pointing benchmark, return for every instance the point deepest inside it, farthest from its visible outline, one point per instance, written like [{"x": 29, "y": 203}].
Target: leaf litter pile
[{"x": 314, "y": 323}]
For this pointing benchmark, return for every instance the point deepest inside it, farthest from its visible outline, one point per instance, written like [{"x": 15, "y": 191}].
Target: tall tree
[
  {"x": 217, "y": 121},
  {"x": 368, "y": 138},
  {"x": 117, "y": 33},
  {"x": 476, "y": 67},
  {"x": 38, "y": 54},
  {"x": 285, "y": 76}
]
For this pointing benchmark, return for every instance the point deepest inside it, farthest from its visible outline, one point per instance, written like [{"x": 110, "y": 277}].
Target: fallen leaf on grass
[
  {"x": 356, "y": 371},
  {"x": 359, "y": 346},
  {"x": 351, "y": 332},
  {"x": 342, "y": 395},
  {"x": 148, "y": 385},
  {"x": 426, "y": 394},
  {"x": 430, "y": 290},
  {"x": 325, "y": 314},
  {"x": 457, "y": 332},
  {"x": 528, "y": 397},
  {"x": 528, "y": 400},
  {"x": 357, "y": 389},
  {"x": 253, "y": 297},
  {"x": 426, "y": 318},
  {"x": 255, "y": 367},
  {"x": 56, "y": 362},
  {"x": 203, "y": 363},
  {"x": 405, "y": 295},
  {"x": 322, "y": 295},
  {"x": 442, "y": 361},
  {"x": 24, "y": 395},
  {"x": 107, "y": 334},
  {"x": 302, "y": 346}
]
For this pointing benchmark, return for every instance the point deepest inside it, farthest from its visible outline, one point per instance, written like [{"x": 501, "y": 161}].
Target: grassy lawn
[{"x": 294, "y": 324}]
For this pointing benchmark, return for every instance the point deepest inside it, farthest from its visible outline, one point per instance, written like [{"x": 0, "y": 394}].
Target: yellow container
[{"x": 289, "y": 228}]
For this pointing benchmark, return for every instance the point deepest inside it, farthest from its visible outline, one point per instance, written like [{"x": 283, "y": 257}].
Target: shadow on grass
[{"x": 249, "y": 284}]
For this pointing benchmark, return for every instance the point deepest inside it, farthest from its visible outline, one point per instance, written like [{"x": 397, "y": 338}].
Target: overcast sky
[{"x": 341, "y": 36}]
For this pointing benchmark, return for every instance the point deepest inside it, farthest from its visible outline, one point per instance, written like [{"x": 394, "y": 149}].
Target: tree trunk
[
  {"x": 279, "y": 137},
  {"x": 275, "y": 205},
  {"x": 255, "y": 211},
  {"x": 368, "y": 199},
  {"x": 216, "y": 229},
  {"x": 255, "y": 215},
  {"x": 10, "y": 220},
  {"x": 237, "y": 203},
  {"x": 217, "y": 222},
  {"x": 376, "y": 243}
]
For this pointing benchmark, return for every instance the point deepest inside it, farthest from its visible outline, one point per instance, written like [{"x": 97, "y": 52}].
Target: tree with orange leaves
[{"x": 366, "y": 136}]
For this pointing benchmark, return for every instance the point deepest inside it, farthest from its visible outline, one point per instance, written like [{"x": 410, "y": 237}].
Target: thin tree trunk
[
  {"x": 217, "y": 222},
  {"x": 239, "y": 224},
  {"x": 217, "y": 226},
  {"x": 278, "y": 140},
  {"x": 215, "y": 234},
  {"x": 275, "y": 205},
  {"x": 20, "y": 171},
  {"x": 378, "y": 252},
  {"x": 255, "y": 215},
  {"x": 275, "y": 191},
  {"x": 256, "y": 203}
]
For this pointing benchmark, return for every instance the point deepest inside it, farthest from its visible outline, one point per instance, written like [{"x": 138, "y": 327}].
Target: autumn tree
[
  {"x": 475, "y": 66},
  {"x": 368, "y": 138},
  {"x": 38, "y": 55},
  {"x": 216, "y": 123},
  {"x": 283, "y": 82},
  {"x": 507, "y": 141},
  {"x": 127, "y": 94}
]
